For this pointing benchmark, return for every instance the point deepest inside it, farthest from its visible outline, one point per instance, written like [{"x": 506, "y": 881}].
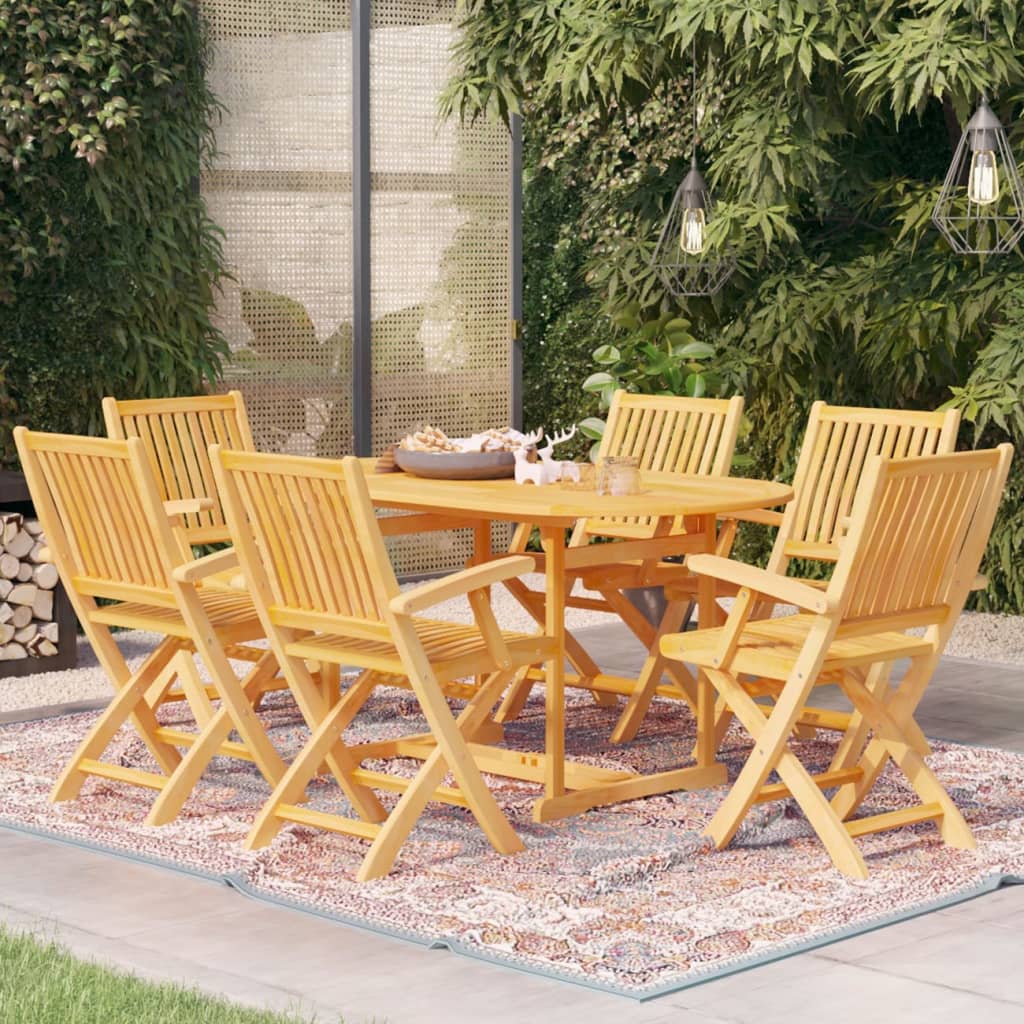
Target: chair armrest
[
  {"x": 474, "y": 578},
  {"x": 208, "y": 565},
  {"x": 782, "y": 588},
  {"x": 188, "y": 506},
  {"x": 980, "y": 582},
  {"x": 755, "y": 515}
]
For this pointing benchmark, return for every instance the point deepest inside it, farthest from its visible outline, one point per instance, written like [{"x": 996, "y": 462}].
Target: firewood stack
[{"x": 27, "y": 582}]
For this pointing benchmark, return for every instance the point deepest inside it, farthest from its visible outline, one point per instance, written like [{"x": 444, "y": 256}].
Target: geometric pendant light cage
[
  {"x": 683, "y": 258},
  {"x": 684, "y": 261},
  {"x": 980, "y": 209}
]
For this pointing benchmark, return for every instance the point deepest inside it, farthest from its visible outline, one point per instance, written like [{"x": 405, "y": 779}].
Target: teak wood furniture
[
  {"x": 314, "y": 558},
  {"x": 693, "y": 437},
  {"x": 177, "y": 434},
  {"x": 837, "y": 445},
  {"x": 570, "y": 789},
  {"x": 908, "y": 555},
  {"x": 112, "y": 537}
]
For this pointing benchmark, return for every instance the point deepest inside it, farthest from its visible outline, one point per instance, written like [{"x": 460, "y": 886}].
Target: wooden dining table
[{"x": 571, "y": 787}]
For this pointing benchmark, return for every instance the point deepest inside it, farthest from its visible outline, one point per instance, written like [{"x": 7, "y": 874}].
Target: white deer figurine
[
  {"x": 529, "y": 472},
  {"x": 547, "y": 471}
]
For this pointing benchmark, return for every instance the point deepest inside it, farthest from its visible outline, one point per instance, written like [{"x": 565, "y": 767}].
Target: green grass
[{"x": 42, "y": 983}]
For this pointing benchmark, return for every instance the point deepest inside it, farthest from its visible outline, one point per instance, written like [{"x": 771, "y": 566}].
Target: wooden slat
[{"x": 894, "y": 819}]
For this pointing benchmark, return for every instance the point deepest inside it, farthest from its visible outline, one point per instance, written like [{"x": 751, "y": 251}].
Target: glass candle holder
[{"x": 618, "y": 475}]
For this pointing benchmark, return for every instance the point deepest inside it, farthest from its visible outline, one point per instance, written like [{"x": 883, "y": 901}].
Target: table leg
[
  {"x": 553, "y": 542},
  {"x": 706, "y": 605}
]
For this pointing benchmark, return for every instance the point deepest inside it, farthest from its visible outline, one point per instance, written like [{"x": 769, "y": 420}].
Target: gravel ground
[{"x": 996, "y": 638}]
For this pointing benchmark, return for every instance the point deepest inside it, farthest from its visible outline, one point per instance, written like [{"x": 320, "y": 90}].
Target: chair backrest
[
  {"x": 177, "y": 433},
  {"x": 674, "y": 435},
  {"x": 307, "y": 538},
  {"x": 102, "y": 516},
  {"x": 695, "y": 436},
  {"x": 917, "y": 534},
  {"x": 839, "y": 442}
]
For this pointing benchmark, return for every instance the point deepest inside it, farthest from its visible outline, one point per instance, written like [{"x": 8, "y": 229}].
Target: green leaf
[
  {"x": 598, "y": 382},
  {"x": 592, "y": 428},
  {"x": 605, "y": 355}
]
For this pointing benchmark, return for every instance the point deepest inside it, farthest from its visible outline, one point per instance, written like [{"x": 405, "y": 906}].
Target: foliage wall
[
  {"x": 108, "y": 261},
  {"x": 825, "y": 130}
]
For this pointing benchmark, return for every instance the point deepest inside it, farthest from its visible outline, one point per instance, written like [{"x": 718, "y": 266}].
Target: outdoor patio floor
[{"x": 962, "y": 962}]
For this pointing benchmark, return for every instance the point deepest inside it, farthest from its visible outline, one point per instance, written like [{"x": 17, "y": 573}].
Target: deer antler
[
  {"x": 566, "y": 435},
  {"x": 532, "y": 438}
]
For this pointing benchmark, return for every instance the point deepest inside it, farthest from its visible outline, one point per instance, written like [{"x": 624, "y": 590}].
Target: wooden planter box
[{"x": 14, "y": 497}]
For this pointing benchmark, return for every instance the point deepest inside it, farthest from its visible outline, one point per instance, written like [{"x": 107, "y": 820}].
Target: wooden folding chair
[
  {"x": 111, "y": 537},
  {"x": 315, "y": 562},
  {"x": 908, "y": 558},
  {"x": 692, "y": 436},
  {"x": 177, "y": 433},
  {"x": 837, "y": 445}
]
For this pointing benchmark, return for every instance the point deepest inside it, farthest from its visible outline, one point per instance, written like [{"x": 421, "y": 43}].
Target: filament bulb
[
  {"x": 691, "y": 238},
  {"x": 983, "y": 178}
]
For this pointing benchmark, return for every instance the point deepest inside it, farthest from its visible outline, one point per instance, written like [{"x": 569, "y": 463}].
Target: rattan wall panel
[
  {"x": 440, "y": 212},
  {"x": 439, "y": 222},
  {"x": 281, "y": 189}
]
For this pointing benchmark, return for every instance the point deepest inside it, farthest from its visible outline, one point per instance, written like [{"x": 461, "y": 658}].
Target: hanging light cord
[{"x": 693, "y": 91}]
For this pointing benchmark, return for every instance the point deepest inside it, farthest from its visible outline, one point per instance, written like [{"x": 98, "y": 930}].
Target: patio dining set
[{"x": 877, "y": 547}]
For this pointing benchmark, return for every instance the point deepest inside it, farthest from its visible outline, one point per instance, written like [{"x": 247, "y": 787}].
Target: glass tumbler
[{"x": 619, "y": 475}]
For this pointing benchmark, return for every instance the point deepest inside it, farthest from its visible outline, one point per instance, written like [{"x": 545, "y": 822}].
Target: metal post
[
  {"x": 362, "y": 322},
  {"x": 516, "y": 268}
]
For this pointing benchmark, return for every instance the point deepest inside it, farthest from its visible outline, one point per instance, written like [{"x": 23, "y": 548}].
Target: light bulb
[
  {"x": 691, "y": 238},
  {"x": 983, "y": 179}
]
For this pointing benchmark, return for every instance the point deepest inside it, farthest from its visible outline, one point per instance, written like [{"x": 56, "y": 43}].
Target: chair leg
[
  {"x": 129, "y": 704},
  {"x": 403, "y": 818},
  {"x": 769, "y": 755},
  {"x": 891, "y": 741},
  {"x": 516, "y": 697},
  {"x": 324, "y": 745},
  {"x": 676, "y": 615},
  {"x": 230, "y": 715}
]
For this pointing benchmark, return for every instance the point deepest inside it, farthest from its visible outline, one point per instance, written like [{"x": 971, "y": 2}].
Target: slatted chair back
[
  {"x": 918, "y": 530},
  {"x": 305, "y": 529},
  {"x": 837, "y": 446},
  {"x": 177, "y": 433},
  {"x": 103, "y": 541},
  {"x": 667, "y": 434}
]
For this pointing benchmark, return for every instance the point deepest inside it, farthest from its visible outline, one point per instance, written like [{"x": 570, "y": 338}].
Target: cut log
[
  {"x": 40, "y": 647},
  {"x": 20, "y": 544},
  {"x": 12, "y": 652},
  {"x": 6, "y": 633},
  {"x": 42, "y": 606},
  {"x": 9, "y": 566},
  {"x": 22, "y": 615},
  {"x": 50, "y": 630},
  {"x": 23, "y": 593},
  {"x": 10, "y": 524},
  {"x": 45, "y": 576},
  {"x": 24, "y": 572},
  {"x": 32, "y": 526},
  {"x": 38, "y": 552},
  {"x": 6, "y": 612},
  {"x": 26, "y": 633},
  {"x": 6, "y": 586}
]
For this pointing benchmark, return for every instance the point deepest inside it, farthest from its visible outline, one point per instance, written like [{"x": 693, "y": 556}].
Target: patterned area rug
[{"x": 629, "y": 899}]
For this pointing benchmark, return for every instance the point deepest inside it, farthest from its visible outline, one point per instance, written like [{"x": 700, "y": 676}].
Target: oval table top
[{"x": 662, "y": 494}]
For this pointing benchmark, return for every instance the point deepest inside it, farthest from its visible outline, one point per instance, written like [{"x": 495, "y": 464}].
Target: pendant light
[
  {"x": 682, "y": 258},
  {"x": 980, "y": 209}
]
